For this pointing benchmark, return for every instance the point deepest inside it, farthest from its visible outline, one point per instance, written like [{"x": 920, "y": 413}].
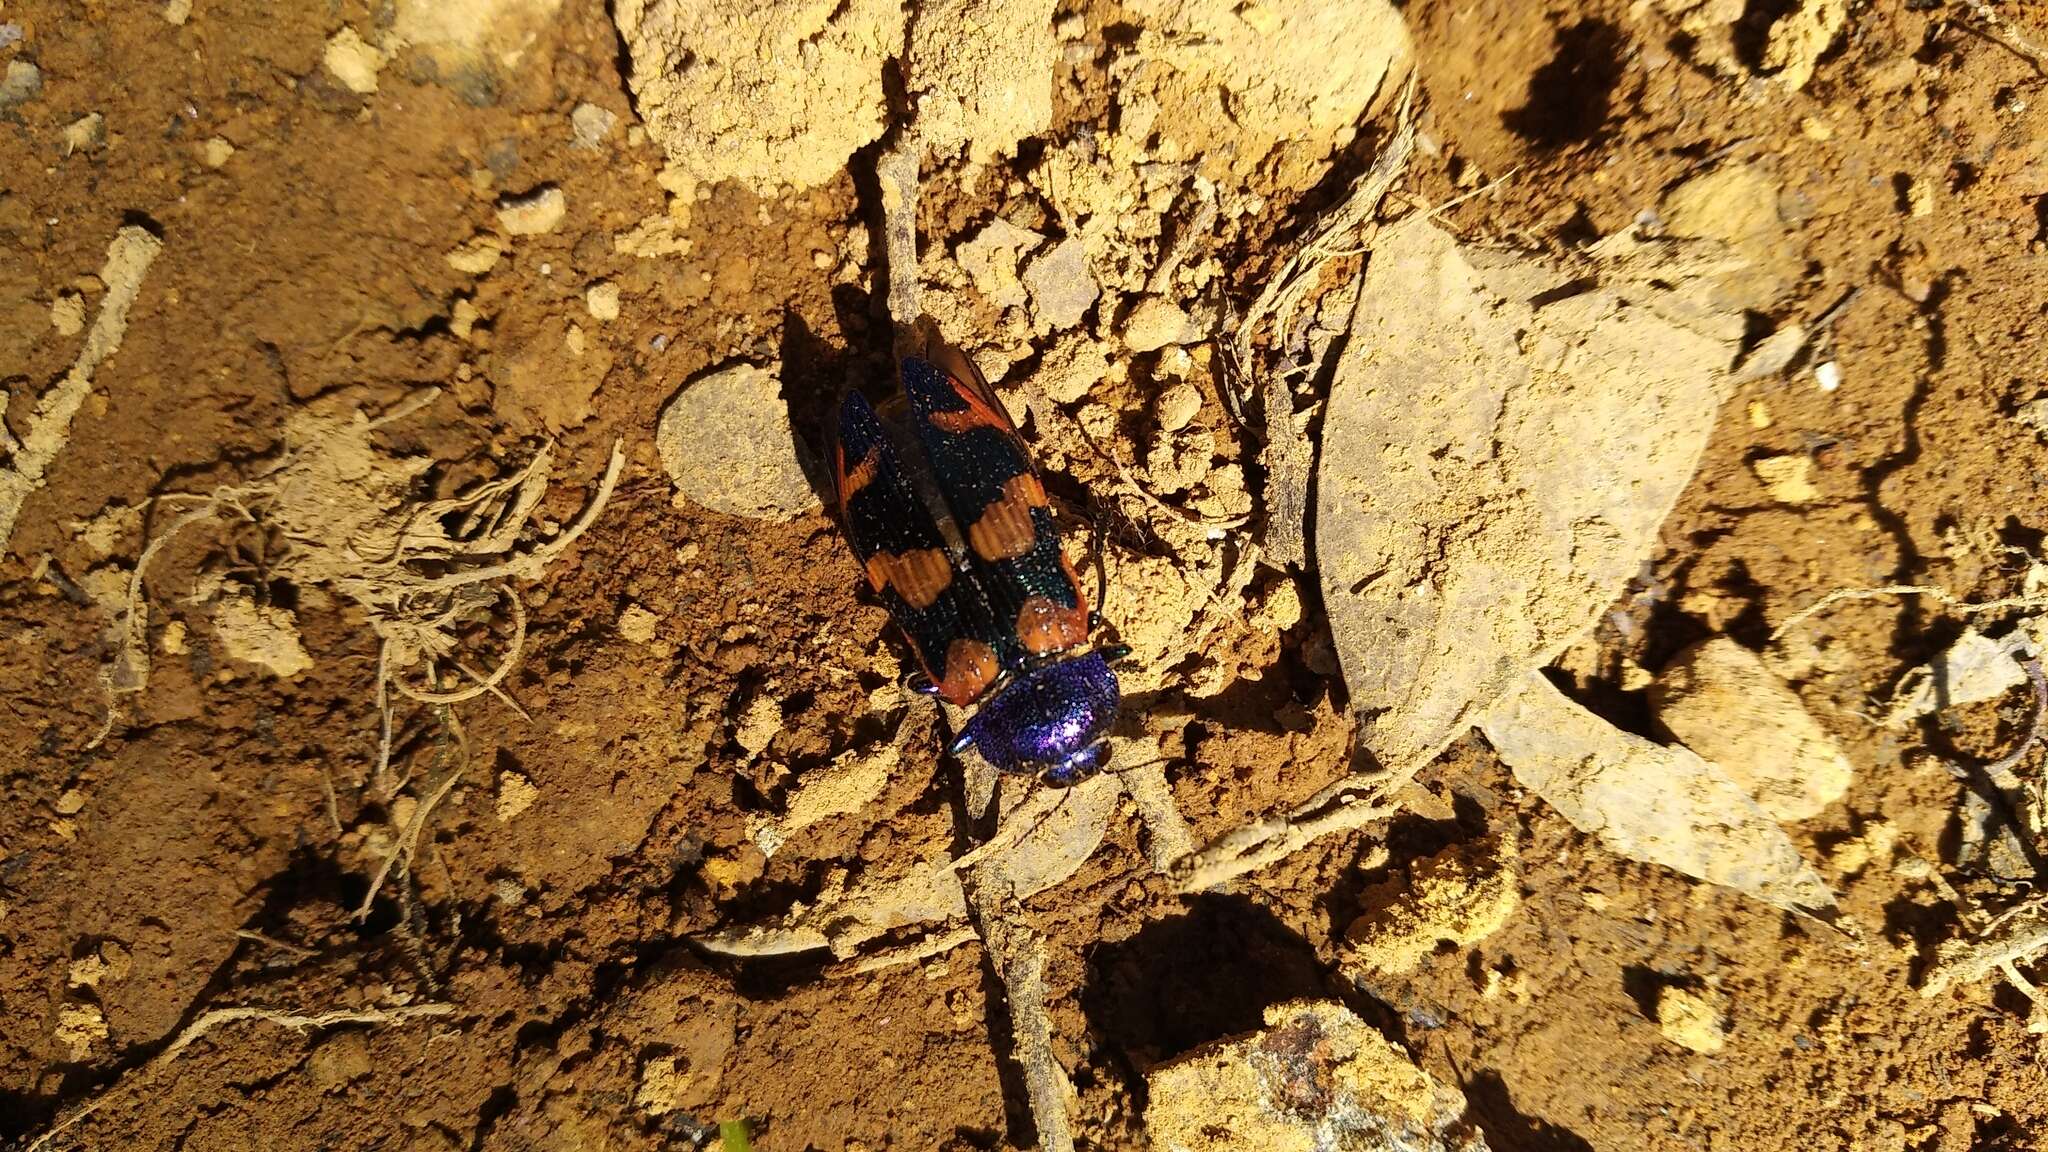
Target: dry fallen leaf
[
  {"x": 1503, "y": 440},
  {"x": 1651, "y": 802}
]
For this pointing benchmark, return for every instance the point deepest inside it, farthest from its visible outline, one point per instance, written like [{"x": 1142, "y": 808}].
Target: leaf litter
[{"x": 2003, "y": 816}]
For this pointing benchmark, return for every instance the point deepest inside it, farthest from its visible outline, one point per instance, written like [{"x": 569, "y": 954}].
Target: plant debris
[{"x": 1651, "y": 802}]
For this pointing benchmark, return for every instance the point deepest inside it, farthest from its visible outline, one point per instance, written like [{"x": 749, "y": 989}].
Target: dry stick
[
  {"x": 923, "y": 949},
  {"x": 1168, "y": 838},
  {"x": 1948, "y": 600},
  {"x": 1018, "y": 956},
  {"x": 1255, "y": 846},
  {"x": 2008, "y": 36},
  {"x": 220, "y": 1016},
  {"x": 49, "y": 426}
]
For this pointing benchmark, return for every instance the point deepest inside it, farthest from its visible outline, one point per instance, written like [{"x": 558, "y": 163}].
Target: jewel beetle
[{"x": 944, "y": 509}]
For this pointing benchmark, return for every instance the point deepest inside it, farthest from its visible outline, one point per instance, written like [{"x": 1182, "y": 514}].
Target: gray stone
[
  {"x": 1062, "y": 289},
  {"x": 23, "y": 83},
  {"x": 726, "y": 442}
]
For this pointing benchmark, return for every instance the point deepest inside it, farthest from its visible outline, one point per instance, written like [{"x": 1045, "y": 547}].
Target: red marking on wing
[
  {"x": 919, "y": 575},
  {"x": 1044, "y": 627},
  {"x": 970, "y": 668},
  {"x": 1005, "y": 530},
  {"x": 860, "y": 476},
  {"x": 979, "y": 413}
]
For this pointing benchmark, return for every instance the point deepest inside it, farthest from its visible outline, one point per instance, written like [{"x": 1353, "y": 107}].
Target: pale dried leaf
[
  {"x": 1502, "y": 442},
  {"x": 1650, "y": 802}
]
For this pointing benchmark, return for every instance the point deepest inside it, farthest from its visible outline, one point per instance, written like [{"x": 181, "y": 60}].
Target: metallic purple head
[{"x": 1051, "y": 721}]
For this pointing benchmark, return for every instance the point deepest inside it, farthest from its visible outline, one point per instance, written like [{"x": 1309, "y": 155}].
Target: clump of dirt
[
  {"x": 1316, "y": 1077},
  {"x": 1460, "y": 896},
  {"x": 769, "y": 94},
  {"x": 703, "y": 861}
]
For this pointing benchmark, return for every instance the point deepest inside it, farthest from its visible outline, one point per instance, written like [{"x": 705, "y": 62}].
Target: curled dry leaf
[
  {"x": 1502, "y": 442},
  {"x": 1043, "y": 840},
  {"x": 1650, "y": 802},
  {"x": 1974, "y": 668}
]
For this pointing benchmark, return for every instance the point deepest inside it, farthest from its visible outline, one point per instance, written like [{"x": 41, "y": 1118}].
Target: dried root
[
  {"x": 49, "y": 426},
  {"x": 220, "y": 1017},
  {"x": 1947, "y": 599},
  {"x": 343, "y": 508},
  {"x": 2019, "y": 936}
]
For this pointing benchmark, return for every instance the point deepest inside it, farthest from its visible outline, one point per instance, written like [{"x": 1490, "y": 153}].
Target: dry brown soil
[{"x": 207, "y": 853}]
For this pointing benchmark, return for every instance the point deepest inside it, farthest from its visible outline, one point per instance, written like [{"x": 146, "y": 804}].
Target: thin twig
[
  {"x": 291, "y": 950},
  {"x": 924, "y": 949},
  {"x": 1437, "y": 212},
  {"x": 219, "y": 1017},
  {"x": 1948, "y": 600},
  {"x": 1168, "y": 839},
  {"x": 2009, "y": 37},
  {"x": 1255, "y": 846},
  {"x": 1018, "y": 956}
]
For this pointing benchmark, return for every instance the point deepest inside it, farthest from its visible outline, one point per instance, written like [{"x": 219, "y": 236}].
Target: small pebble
[
  {"x": 1691, "y": 1019},
  {"x": 2034, "y": 414},
  {"x": 539, "y": 211},
  {"x": 602, "y": 300},
  {"x": 1828, "y": 375},
  {"x": 476, "y": 257},
  {"x": 1153, "y": 323},
  {"x": 1788, "y": 478},
  {"x": 727, "y": 443},
  {"x": 515, "y": 795},
  {"x": 353, "y": 62},
  {"x": 758, "y": 724},
  {"x": 176, "y": 12},
  {"x": 85, "y": 134},
  {"x": 637, "y": 624},
  {"x": 216, "y": 151},
  {"x": 22, "y": 83},
  {"x": 1920, "y": 197},
  {"x": 1179, "y": 406},
  {"x": 67, "y": 314},
  {"x": 1061, "y": 287},
  {"x": 592, "y": 124}
]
